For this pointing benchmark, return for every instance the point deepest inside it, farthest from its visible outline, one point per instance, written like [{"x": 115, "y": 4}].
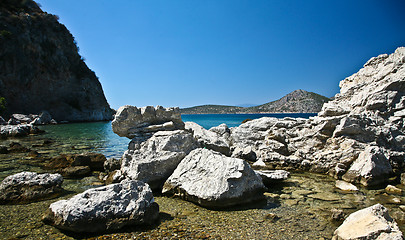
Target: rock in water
[
  {"x": 20, "y": 130},
  {"x": 133, "y": 122},
  {"x": 154, "y": 160},
  {"x": 213, "y": 180},
  {"x": 272, "y": 176},
  {"x": 106, "y": 208},
  {"x": 41, "y": 68},
  {"x": 370, "y": 223},
  {"x": 29, "y": 186}
]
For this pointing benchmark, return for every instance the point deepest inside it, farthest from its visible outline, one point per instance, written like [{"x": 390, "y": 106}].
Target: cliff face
[{"x": 40, "y": 68}]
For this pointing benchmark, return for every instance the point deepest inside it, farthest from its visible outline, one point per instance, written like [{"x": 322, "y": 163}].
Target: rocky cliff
[
  {"x": 298, "y": 101},
  {"x": 40, "y": 68}
]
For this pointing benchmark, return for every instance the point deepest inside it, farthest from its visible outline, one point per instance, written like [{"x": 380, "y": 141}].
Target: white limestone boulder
[
  {"x": 106, "y": 208},
  {"x": 213, "y": 180}
]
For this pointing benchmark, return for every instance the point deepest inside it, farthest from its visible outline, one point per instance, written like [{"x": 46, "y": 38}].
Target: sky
[{"x": 228, "y": 52}]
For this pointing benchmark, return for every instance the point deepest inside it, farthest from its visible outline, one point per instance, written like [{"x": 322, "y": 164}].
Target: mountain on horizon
[{"x": 298, "y": 101}]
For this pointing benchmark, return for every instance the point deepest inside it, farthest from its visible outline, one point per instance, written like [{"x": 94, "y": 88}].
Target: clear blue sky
[{"x": 193, "y": 52}]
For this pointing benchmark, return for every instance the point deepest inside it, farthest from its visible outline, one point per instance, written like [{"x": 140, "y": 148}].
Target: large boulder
[
  {"x": 211, "y": 139},
  {"x": 29, "y": 186},
  {"x": 133, "y": 122},
  {"x": 154, "y": 160},
  {"x": 370, "y": 168},
  {"x": 213, "y": 180},
  {"x": 106, "y": 208},
  {"x": 370, "y": 223},
  {"x": 20, "y": 130}
]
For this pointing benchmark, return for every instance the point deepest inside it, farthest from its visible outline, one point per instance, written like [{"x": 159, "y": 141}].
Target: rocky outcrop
[
  {"x": 370, "y": 223},
  {"x": 216, "y": 139},
  {"x": 213, "y": 180},
  {"x": 154, "y": 160},
  {"x": 359, "y": 136},
  {"x": 107, "y": 208},
  {"x": 29, "y": 186},
  {"x": 41, "y": 68},
  {"x": 20, "y": 130},
  {"x": 140, "y": 123}
]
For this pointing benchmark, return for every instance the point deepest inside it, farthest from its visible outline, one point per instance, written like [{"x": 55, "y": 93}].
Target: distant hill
[{"x": 298, "y": 101}]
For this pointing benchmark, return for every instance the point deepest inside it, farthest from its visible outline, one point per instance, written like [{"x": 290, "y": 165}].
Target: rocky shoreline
[{"x": 358, "y": 139}]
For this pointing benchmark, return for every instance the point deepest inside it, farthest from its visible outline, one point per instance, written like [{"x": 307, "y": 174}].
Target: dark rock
[
  {"x": 75, "y": 172},
  {"x": 15, "y": 147},
  {"x": 3, "y": 150}
]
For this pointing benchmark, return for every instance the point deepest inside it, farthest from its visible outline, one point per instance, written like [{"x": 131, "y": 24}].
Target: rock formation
[
  {"x": 211, "y": 179},
  {"x": 359, "y": 136},
  {"x": 41, "y": 68},
  {"x": 29, "y": 186},
  {"x": 370, "y": 223},
  {"x": 106, "y": 208},
  {"x": 18, "y": 130}
]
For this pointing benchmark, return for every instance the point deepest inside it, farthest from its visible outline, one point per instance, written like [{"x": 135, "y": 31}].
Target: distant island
[{"x": 298, "y": 101}]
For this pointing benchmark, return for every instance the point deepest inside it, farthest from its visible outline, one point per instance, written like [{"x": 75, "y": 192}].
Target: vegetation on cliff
[{"x": 41, "y": 69}]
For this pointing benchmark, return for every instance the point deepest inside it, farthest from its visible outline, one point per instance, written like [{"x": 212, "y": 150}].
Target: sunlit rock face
[
  {"x": 41, "y": 68},
  {"x": 358, "y": 136}
]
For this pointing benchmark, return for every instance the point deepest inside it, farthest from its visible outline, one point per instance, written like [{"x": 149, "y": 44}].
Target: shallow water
[{"x": 299, "y": 208}]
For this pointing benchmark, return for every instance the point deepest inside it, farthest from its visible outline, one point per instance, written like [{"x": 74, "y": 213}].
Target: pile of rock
[
  {"x": 358, "y": 137},
  {"x": 165, "y": 152},
  {"x": 20, "y": 125}
]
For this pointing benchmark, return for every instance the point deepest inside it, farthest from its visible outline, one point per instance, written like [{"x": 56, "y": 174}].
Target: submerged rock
[
  {"x": 154, "y": 160},
  {"x": 107, "y": 208},
  {"x": 345, "y": 186},
  {"x": 29, "y": 186},
  {"x": 370, "y": 223},
  {"x": 272, "y": 176},
  {"x": 213, "y": 180}
]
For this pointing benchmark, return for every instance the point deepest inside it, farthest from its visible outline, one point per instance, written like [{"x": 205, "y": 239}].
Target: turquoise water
[{"x": 233, "y": 120}]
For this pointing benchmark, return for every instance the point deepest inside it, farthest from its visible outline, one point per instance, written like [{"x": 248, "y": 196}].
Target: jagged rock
[
  {"x": 370, "y": 223},
  {"x": 369, "y": 111},
  {"x": 272, "y": 176},
  {"x": 133, "y": 122},
  {"x": 29, "y": 186},
  {"x": 370, "y": 168},
  {"x": 213, "y": 180},
  {"x": 22, "y": 118},
  {"x": 106, "y": 208},
  {"x": 154, "y": 160},
  {"x": 209, "y": 139},
  {"x": 345, "y": 186},
  {"x": 246, "y": 153},
  {"x": 42, "y": 68},
  {"x": 43, "y": 118}
]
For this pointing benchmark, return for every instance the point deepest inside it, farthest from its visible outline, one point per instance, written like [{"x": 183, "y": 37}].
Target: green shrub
[{"x": 3, "y": 104}]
